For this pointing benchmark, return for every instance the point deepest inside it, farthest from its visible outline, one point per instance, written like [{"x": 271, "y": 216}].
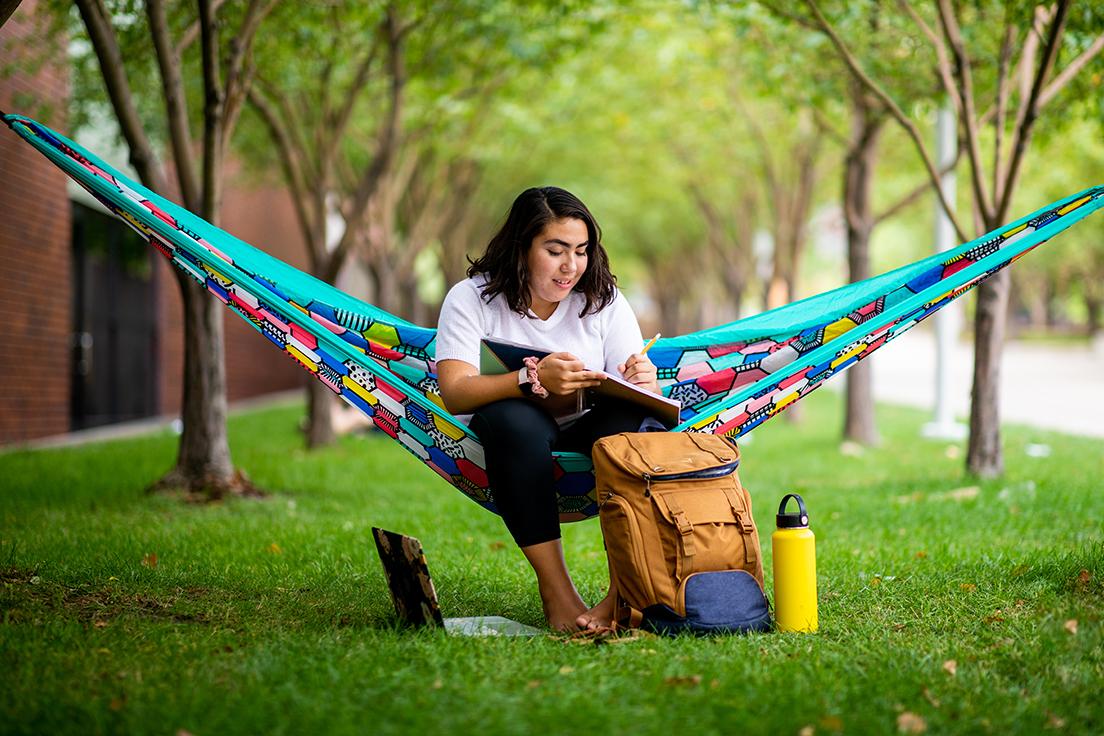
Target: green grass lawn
[{"x": 941, "y": 606}]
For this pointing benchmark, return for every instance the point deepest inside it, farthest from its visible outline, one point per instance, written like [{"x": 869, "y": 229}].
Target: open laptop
[{"x": 404, "y": 565}]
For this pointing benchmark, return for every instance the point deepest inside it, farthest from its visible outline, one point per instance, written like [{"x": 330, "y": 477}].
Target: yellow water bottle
[{"x": 795, "y": 586}]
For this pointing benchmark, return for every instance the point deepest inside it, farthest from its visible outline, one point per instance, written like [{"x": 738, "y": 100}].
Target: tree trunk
[
  {"x": 667, "y": 301},
  {"x": 320, "y": 415},
  {"x": 1052, "y": 291},
  {"x": 387, "y": 288},
  {"x": 984, "y": 457},
  {"x": 1092, "y": 311},
  {"x": 859, "y": 424},
  {"x": 203, "y": 465}
]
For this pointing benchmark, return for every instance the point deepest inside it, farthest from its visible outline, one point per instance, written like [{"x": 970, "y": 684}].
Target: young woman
[{"x": 544, "y": 281}]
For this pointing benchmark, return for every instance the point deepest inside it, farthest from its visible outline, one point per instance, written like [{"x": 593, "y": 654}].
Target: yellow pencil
[{"x": 650, "y": 344}]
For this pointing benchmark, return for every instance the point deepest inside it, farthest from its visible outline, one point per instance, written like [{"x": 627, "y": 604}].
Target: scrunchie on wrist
[{"x": 534, "y": 380}]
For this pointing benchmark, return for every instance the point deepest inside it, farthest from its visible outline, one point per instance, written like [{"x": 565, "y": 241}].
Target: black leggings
[{"x": 518, "y": 438}]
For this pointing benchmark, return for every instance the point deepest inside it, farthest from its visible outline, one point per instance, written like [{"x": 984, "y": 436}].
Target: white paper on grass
[{"x": 489, "y": 626}]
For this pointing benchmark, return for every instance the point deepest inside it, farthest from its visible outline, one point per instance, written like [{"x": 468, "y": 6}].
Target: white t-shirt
[{"x": 602, "y": 341}]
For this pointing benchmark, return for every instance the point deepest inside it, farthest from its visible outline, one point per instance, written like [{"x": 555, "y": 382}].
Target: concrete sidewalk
[
  {"x": 1055, "y": 386},
  {"x": 151, "y": 425}
]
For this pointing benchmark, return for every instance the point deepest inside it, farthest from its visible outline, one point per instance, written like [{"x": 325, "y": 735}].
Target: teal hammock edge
[{"x": 574, "y": 479}]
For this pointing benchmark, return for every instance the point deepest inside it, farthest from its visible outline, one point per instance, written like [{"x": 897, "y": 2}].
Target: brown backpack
[{"x": 671, "y": 506}]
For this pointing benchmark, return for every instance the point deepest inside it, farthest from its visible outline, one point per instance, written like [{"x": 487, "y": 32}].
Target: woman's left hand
[{"x": 640, "y": 371}]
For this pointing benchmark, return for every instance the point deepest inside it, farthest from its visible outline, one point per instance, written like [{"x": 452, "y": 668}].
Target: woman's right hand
[{"x": 563, "y": 373}]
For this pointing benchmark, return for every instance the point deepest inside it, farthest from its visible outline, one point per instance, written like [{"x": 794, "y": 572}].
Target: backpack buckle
[{"x": 685, "y": 528}]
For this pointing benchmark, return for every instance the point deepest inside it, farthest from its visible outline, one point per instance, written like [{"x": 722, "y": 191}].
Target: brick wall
[{"x": 34, "y": 252}]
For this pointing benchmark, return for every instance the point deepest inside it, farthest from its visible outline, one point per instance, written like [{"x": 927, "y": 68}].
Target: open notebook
[
  {"x": 501, "y": 356},
  {"x": 404, "y": 564}
]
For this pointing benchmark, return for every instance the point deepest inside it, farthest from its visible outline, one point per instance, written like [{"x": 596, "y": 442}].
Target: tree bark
[
  {"x": 985, "y": 457},
  {"x": 320, "y": 415},
  {"x": 1092, "y": 310},
  {"x": 792, "y": 201},
  {"x": 866, "y": 125},
  {"x": 203, "y": 464}
]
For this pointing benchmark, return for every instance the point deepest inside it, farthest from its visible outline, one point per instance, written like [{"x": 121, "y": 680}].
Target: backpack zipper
[
  {"x": 717, "y": 471},
  {"x": 705, "y": 474}
]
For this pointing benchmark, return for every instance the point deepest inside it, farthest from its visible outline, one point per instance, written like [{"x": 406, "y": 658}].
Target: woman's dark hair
[{"x": 505, "y": 261}]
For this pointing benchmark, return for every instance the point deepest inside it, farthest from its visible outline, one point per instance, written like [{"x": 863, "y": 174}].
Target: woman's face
[{"x": 557, "y": 259}]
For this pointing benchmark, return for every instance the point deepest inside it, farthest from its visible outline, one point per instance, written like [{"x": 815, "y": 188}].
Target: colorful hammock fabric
[{"x": 730, "y": 379}]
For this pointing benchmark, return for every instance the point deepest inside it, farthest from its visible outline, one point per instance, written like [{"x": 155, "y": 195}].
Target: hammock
[{"x": 730, "y": 378}]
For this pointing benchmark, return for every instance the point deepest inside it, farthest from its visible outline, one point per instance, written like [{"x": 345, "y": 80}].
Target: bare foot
[
  {"x": 599, "y": 617},
  {"x": 563, "y": 611}
]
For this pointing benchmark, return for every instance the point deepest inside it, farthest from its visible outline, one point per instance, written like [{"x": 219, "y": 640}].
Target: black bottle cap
[{"x": 792, "y": 521}]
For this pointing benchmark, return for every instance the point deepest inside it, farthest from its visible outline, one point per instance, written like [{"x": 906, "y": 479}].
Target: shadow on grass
[{"x": 25, "y": 598}]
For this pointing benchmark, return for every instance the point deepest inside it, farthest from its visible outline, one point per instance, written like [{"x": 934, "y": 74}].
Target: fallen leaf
[
  {"x": 1054, "y": 721},
  {"x": 118, "y": 703},
  {"x": 100, "y": 624},
  {"x": 688, "y": 680},
  {"x": 274, "y": 549},
  {"x": 965, "y": 493},
  {"x": 631, "y": 636},
  {"x": 851, "y": 449},
  {"x": 1071, "y": 626},
  {"x": 438, "y": 684},
  {"x": 831, "y": 723},
  {"x": 994, "y": 618},
  {"x": 806, "y": 731},
  {"x": 497, "y": 546},
  {"x": 968, "y": 587},
  {"x": 533, "y": 684},
  {"x": 150, "y": 560},
  {"x": 950, "y": 667},
  {"x": 1083, "y": 578},
  {"x": 875, "y": 582},
  {"x": 566, "y": 669},
  {"x": 930, "y": 698},
  {"x": 921, "y": 555},
  {"x": 899, "y": 627},
  {"x": 911, "y": 723}
]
